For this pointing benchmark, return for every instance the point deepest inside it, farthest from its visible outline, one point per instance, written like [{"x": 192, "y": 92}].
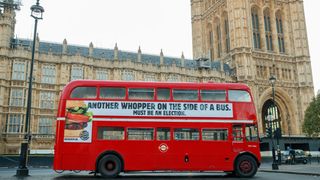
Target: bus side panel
[
  {"x": 58, "y": 147},
  {"x": 203, "y": 155},
  {"x": 245, "y": 111},
  {"x": 76, "y": 158},
  {"x": 71, "y": 156},
  {"x": 216, "y": 155}
]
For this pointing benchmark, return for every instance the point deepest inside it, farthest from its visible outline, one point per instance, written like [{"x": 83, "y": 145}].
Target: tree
[{"x": 311, "y": 124}]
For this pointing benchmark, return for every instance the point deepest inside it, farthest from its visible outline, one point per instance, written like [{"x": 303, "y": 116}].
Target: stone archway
[
  {"x": 271, "y": 109},
  {"x": 285, "y": 109}
]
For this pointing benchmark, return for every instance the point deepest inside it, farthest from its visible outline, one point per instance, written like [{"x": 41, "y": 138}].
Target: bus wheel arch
[
  {"x": 110, "y": 153},
  {"x": 246, "y": 165}
]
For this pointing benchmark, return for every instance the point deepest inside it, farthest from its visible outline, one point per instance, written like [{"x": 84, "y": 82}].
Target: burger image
[{"x": 77, "y": 115}]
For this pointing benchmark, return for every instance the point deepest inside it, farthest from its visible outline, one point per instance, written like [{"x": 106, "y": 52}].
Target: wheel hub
[{"x": 245, "y": 166}]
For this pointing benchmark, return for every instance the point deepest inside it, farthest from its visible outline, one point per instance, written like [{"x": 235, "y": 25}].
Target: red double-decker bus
[{"x": 112, "y": 126}]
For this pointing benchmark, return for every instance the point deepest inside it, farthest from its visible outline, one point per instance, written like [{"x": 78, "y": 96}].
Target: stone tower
[
  {"x": 7, "y": 23},
  {"x": 260, "y": 39}
]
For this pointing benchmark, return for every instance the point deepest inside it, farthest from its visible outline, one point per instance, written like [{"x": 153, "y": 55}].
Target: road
[{"x": 37, "y": 174}]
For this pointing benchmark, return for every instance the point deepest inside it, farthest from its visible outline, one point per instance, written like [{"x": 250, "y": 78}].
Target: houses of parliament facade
[{"x": 245, "y": 41}]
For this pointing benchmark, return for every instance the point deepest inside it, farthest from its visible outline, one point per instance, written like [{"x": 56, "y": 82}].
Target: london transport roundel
[{"x": 163, "y": 147}]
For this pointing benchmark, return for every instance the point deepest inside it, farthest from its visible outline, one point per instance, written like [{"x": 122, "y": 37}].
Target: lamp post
[
  {"x": 277, "y": 133},
  {"x": 36, "y": 13},
  {"x": 272, "y": 80}
]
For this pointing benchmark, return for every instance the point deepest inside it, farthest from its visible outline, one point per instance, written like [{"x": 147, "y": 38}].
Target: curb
[{"x": 290, "y": 172}]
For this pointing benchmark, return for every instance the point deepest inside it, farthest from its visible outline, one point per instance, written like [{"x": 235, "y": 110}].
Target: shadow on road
[{"x": 154, "y": 177}]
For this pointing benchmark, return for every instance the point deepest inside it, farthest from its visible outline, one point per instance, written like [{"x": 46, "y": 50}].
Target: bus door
[
  {"x": 164, "y": 156},
  {"x": 238, "y": 144},
  {"x": 186, "y": 153},
  {"x": 140, "y": 151},
  {"x": 215, "y": 149}
]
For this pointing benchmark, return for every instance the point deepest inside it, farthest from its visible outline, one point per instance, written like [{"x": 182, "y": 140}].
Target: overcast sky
[{"x": 151, "y": 24}]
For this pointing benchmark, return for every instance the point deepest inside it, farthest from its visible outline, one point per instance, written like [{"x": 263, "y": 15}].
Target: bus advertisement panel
[
  {"x": 79, "y": 114},
  {"x": 160, "y": 109}
]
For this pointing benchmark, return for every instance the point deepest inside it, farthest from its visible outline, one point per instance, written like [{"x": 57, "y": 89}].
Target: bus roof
[{"x": 97, "y": 83}]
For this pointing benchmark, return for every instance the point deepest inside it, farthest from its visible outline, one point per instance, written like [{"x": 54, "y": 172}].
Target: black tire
[
  {"x": 110, "y": 166},
  {"x": 245, "y": 166},
  {"x": 305, "y": 161}
]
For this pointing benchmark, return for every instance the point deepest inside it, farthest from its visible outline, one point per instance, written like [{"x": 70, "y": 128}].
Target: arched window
[
  {"x": 210, "y": 41},
  {"x": 255, "y": 28},
  {"x": 227, "y": 35},
  {"x": 271, "y": 116},
  {"x": 219, "y": 40},
  {"x": 280, "y": 32},
  {"x": 267, "y": 27}
]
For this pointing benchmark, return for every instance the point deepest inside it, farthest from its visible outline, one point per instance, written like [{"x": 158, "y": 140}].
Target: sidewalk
[{"x": 303, "y": 169}]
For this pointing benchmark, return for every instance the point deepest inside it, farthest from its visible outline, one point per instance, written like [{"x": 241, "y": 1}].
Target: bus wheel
[
  {"x": 305, "y": 161},
  {"x": 246, "y": 166},
  {"x": 109, "y": 166}
]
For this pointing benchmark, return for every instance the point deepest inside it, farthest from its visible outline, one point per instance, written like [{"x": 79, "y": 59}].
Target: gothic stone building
[
  {"x": 233, "y": 41},
  {"x": 260, "y": 39}
]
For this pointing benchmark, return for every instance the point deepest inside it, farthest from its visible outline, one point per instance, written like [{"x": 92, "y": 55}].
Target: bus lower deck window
[
  {"x": 163, "y": 134},
  {"x": 186, "y": 134},
  {"x": 214, "y": 134},
  {"x": 251, "y": 133},
  {"x": 111, "y": 133},
  {"x": 140, "y": 133},
  {"x": 237, "y": 133}
]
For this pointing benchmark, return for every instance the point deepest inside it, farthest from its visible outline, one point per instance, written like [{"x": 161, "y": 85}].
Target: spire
[
  {"x": 161, "y": 57},
  {"x": 64, "y": 46},
  {"x": 139, "y": 54},
  {"x": 7, "y": 24},
  {"x": 116, "y": 52},
  {"x": 90, "y": 49},
  {"x": 182, "y": 60}
]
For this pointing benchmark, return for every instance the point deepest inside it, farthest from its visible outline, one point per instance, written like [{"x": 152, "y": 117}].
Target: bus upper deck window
[
  {"x": 163, "y": 94},
  {"x": 112, "y": 92},
  {"x": 84, "y": 92},
  {"x": 185, "y": 94},
  {"x": 213, "y": 95},
  {"x": 141, "y": 93},
  {"x": 239, "y": 96}
]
